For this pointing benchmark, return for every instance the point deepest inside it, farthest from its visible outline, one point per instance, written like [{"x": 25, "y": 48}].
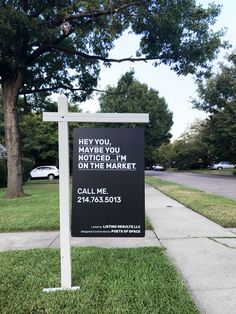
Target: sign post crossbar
[{"x": 63, "y": 117}]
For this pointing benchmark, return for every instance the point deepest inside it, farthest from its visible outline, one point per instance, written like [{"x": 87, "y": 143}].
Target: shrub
[
  {"x": 3, "y": 173},
  {"x": 234, "y": 172},
  {"x": 27, "y": 166}
]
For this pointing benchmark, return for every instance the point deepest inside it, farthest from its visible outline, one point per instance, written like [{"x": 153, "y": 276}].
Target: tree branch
[
  {"x": 96, "y": 57},
  {"x": 54, "y": 88},
  {"x": 88, "y": 14},
  {"x": 96, "y": 13}
]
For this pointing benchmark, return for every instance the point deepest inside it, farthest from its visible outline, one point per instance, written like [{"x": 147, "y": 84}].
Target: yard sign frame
[{"x": 63, "y": 117}]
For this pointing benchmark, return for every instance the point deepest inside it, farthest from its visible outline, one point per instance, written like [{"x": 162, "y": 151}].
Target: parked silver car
[
  {"x": 49, "y": 172},
  {"x": 223, "y": 165}
]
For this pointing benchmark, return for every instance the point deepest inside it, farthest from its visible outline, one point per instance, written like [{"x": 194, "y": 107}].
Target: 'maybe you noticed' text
[{"x": 100, "y": 154}]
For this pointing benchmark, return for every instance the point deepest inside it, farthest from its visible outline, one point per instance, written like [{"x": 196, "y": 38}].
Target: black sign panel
[{"x": 108, "y": 182}]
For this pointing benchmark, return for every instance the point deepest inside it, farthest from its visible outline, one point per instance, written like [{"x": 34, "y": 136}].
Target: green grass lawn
[
  {"x": 132, "y": 281},
  {"x": 217, "y": 208},
  {"x": 148, "y": 225},
  {"x": 39, "y": 210},
  {"x": 222, "y": 172}
]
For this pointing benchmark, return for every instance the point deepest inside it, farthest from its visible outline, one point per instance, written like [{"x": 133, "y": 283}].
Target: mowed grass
[
  {"x": 222, "y": 172},
  {"x": 38, "y": 210},
  {"x": 114, "y": 281},
  {"x": 217, "y": 208}
]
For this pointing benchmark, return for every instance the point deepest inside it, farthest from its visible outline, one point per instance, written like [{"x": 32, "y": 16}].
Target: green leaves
[
  {"x": 32, "y": 40},
  {"x": 132, "y": 96},
  {"x": 218, "y": 92},
  {"x": 177, "y": 34},
  {"x": 217, "y": 97},
  {"x": 191, "y": 150}
]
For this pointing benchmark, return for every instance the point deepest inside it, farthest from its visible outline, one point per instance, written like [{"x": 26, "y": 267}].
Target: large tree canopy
[
  {"x": 217, "y": 96},
  {"x": 217, "y": 93},
  {"x": 58, "y": 45},
  {"x": 132, "y": 96}
]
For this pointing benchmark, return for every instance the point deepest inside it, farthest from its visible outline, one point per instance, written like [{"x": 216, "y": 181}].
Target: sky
[{"x": 177, "y": 90}]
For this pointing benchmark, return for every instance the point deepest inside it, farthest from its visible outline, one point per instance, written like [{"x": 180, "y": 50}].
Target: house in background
[{"x": 3, "y": 152}]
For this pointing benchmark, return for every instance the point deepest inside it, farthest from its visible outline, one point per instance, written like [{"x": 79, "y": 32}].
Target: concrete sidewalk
[
  {"x": 43, "y": 239},
  {"x": 203, "y": 252}
]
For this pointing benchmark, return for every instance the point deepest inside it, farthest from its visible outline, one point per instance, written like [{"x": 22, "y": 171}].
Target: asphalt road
[{"x": 218, "y": 185}]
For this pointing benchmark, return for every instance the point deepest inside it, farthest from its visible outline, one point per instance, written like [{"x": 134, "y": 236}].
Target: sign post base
[{"x": 61, "y": 289}]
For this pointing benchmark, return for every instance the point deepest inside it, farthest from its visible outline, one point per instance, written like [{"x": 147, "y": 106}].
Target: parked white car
[
  {"x": 158, "y": 167},
  {"x": 49, "y": 172},
  {"x": 223, "y": 165}
]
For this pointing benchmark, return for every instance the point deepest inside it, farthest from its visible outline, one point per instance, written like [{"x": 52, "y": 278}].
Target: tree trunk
[{"x": 10, "y": 92}]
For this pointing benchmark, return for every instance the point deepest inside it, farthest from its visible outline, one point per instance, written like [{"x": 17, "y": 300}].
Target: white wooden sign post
[{"x": 63, "y": 117}]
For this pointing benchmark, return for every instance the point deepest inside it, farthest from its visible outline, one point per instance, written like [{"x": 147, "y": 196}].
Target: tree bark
[{"x": 10, "y": 91}]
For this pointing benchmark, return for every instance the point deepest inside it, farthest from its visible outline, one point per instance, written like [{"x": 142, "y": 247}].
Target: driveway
[{"x": 218, "y": 185}]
